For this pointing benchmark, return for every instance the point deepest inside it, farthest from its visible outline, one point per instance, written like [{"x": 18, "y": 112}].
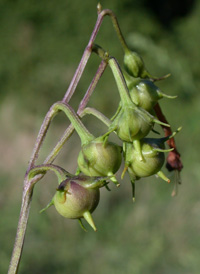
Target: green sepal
[
  {"x": 49, "y": 204},
  {"x": 88, "y": 217},
  {"x": 81, "y": 224}
]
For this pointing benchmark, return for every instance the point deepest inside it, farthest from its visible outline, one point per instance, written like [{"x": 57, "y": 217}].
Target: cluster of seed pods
[{"x": 99, "y": 159}]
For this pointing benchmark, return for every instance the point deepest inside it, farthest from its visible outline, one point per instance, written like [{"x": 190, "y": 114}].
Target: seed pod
[
  {"x": 144, "y": 93},
  {"x": 100, "y": 158},
  {"x": 134, "y": 64},
  {"x": 132, "y": 123},
  {"x": 153, "y": 154},
  {"x": 78, "y": 197}
]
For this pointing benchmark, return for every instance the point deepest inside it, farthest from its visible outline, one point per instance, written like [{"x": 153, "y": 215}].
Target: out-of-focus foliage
[{"x": 41, "y": 45}]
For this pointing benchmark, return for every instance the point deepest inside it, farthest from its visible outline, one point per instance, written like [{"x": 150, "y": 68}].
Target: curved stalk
[
  {"x": 97, "y": 114},
  {"x": 68, "y": 132},
  {"x": 28, "y": 185},
  {"x": 30, "y": 182},
  {"x": 82, "y": 131},
  {"x": 120, "y": 81},
  {"x": 88, "y": 49}
]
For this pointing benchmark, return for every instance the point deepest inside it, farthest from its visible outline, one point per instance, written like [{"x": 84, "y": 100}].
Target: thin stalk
[
  {"x": 97, "y": 114},
  {"x": 120, "y": 81},
  {"x": 117, "y": 29},
  {"x": 28, "y": 185},
  {"x": 115, "y": 25},
  {"x": 82, "y": 131},
  {"x": 31, "y": 179},
  {"x": 41, "y": 135},
  {"x": 88, "y": 50},
  {"x": 61, "y": 173},
  {"x": 21, "y": 229},
  {"x": 52, "y": 156},
  {"x": 27, "y": 192}
]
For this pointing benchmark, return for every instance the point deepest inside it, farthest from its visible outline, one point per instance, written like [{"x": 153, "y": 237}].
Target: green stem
[
  {"x": 82, "y": 131},
  {"x": 120, "y": 81},
  {"x": 118, "y": 31},
  {"x": 61, "y": 173},
  {"x": 97, "y": 114},
  {"x": 68, "y": 132},
  {"x": 115, "y": 24}
]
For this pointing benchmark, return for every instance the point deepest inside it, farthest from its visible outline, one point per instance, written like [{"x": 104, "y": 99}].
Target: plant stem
[
  {"x": 82, "y": 131},
  {"x": 28, "y": 185},
  {"x": 120, "y": 81},
  {"x": 61, "y": 173},
  {"x": 81, "y": 107},
  {"x": 21, "y": 229},
  {"x": 88, "y": 51},
  {"x": 97, "y": 114},
  {"x": 27, "y": 192}
]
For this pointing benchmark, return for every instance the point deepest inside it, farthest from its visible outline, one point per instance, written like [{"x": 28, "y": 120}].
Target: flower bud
[
  {"x": 100, "y": 158},
  {"x": 134, "y": 64}
]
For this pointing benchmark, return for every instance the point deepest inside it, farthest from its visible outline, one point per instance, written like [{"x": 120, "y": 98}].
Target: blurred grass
[{"x": 41, "y": 45}]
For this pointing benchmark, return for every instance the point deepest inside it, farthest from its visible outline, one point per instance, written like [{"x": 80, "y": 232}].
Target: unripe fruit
[
  {"x": 132, "y": 123},
  {"x": 153, "y": 157},
  {"x": 78, "y": 197},
  {"x": 152, "y": 163},
  {"x": 134, "y": 64},
  {"x": 144, "y": 93},
  {"x": 72, "y": 200},
  {"x": 99, "y": 158}
]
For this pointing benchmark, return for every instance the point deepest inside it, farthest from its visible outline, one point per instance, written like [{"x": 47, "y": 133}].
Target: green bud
[
  {"x": 100, "y": 158},
  {"x": 144, "y": 93},
  {"x": 134, "y": 64}
]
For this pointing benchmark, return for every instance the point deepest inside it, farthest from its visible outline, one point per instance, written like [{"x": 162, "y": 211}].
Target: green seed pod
[
  {"x": 152, "y": 163},
  {"x": 97, "y": 157},
  {"x": 133, "y": 123},
  {"x": 134, "y": 64},
  {"x": 72, "y": 200},
  {"x": 144, "y": 93},
  {"x": 100, "y": 158},
  {"x": 77, "y": 197},
  {"x": 153, "y": 155}
]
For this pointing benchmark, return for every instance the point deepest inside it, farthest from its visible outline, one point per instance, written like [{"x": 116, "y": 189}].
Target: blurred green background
[{"x": 41, "y": 43}]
